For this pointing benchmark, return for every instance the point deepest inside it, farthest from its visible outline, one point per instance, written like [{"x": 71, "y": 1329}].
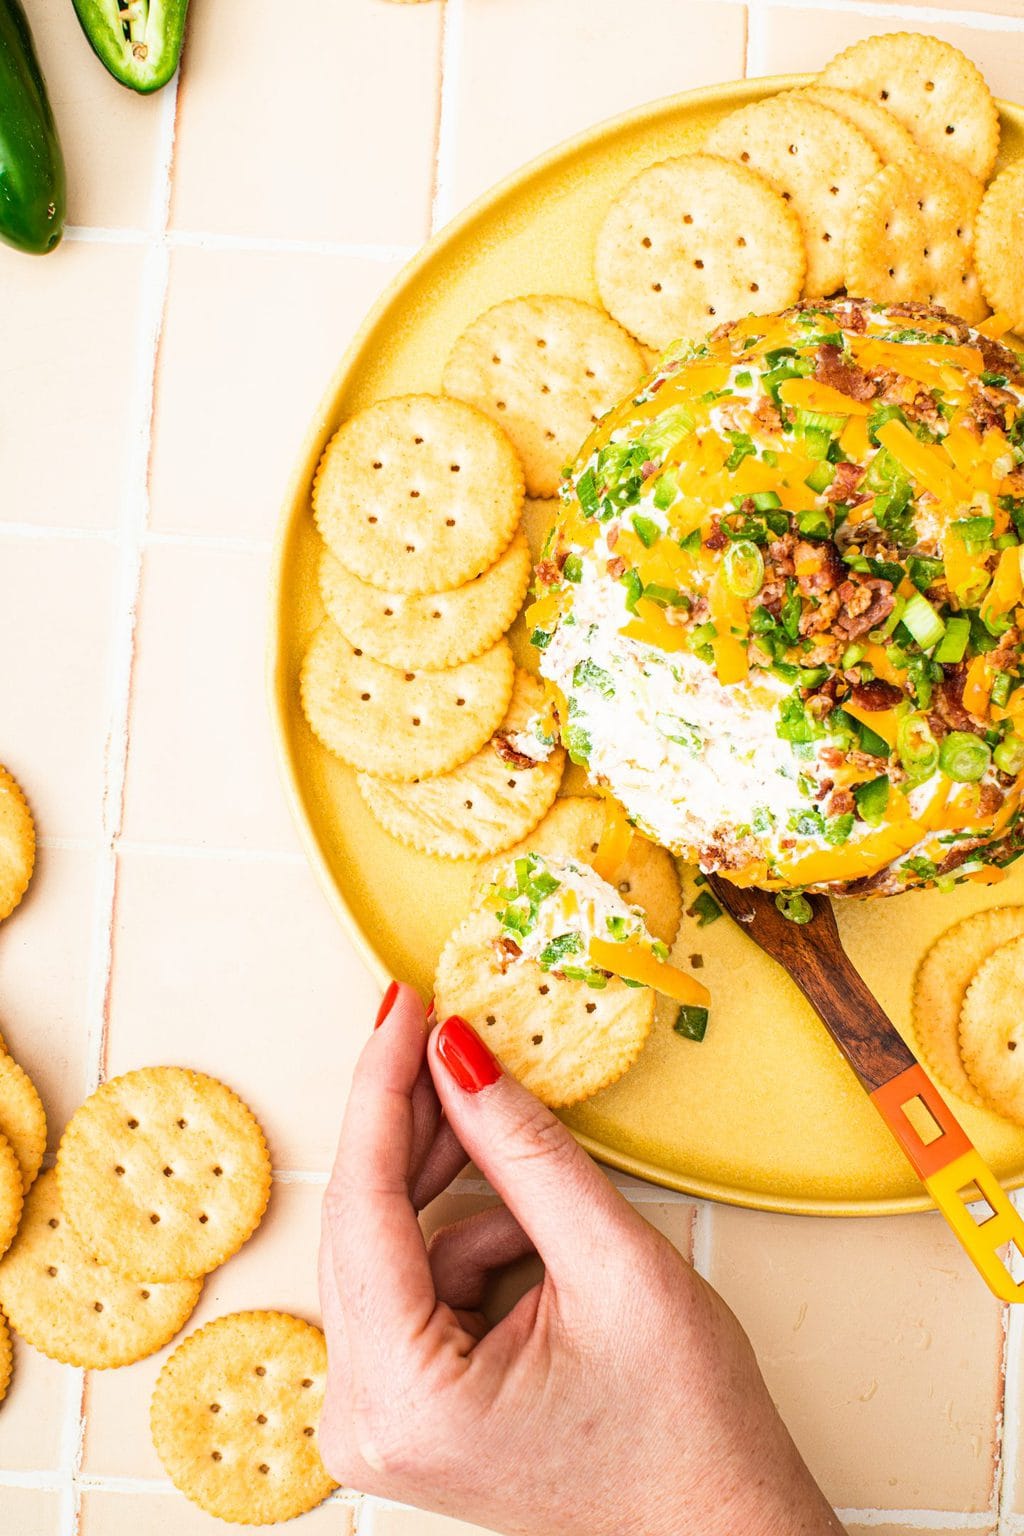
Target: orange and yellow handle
[{"x": 955, "y": 1175}]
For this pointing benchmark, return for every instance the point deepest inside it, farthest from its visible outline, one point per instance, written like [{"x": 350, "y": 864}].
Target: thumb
[{"x": 554, "y": 1190}]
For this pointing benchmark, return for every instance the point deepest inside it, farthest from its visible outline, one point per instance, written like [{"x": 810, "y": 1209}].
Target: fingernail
[
  {"x": 467, "y": 1058},
  {"x": 387, "y": 1002},
  {"x": 432, "y": 1013}
]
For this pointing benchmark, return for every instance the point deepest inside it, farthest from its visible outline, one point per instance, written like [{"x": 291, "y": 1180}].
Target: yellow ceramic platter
[{"x": 765, "y": 1112}]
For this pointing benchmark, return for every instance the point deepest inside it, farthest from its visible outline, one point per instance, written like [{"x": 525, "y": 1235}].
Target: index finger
[{"x": 380, "y": 1264}]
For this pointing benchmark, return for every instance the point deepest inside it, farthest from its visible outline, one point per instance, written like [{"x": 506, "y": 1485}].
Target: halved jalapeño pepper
[
  {"x": 32, "y": 186},
  {"x": 139, "y": 41}
]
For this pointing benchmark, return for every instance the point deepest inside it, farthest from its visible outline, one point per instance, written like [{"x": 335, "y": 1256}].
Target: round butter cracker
[
  {"x": 562, "y": 1039},
  {"x": 648, "y": 877},
  {"x": 22, "y": 1118},
  {"x": 402, "y": 725},
  {"x": 817, "y": 160},
  {"x": 489, "y": 802},
  {"x": 431, "y": 630},
  {"x": 934, "y": 90},
  {"x": 941, "y": 983},
  {"x": 911, "y": 237},
  {"x": 693, "y": 241},
  {"x": 12, "y": 1193},
  {"x": 999, "y": 241},
  {"x": 992, "y": 1030},
  {"x": 888, "y": 137},
  {"x": 17, "y": 844},
  {"x": 67, "y": 1304},
  {"x": 546, "y": 369},
  {"x": 234, "y": 1417},
  {"x": 163, "y": 1173},
  {"x": 418, "y": 493},
  {"x": 6, "y": 1356}
]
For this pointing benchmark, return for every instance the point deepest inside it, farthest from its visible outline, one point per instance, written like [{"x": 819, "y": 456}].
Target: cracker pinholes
[
  {"x": 22, "y": 1118},
  {"x": 163, "y": 1173},
  {"x": 887, "y": 136},
  {"x": 418, "y": 494},
  {"x": 999, "y": 240},
  {"x": 435, "y": 629},
  {"x": 12, "y": 1193},
  {"x": 648, "y": 878},
  {"x": 491, "y": 801},
  {"x": 992, "y": 1030},
  {"x": 932, "y": 88},
  {"x": 940, "y": 985},
  {"x": 73, "y": 1308},
  {"x": 234, "y": 1416},
  {"x": 17, "y": 844},
  {"x": 694, "y": 241},
  {"x": 563, "y": 1039},
  {"x": 402, "y": 725},
  {"x": 911, "y": 236},
  {"x": 546, "y": 369},
  {"x": 6, "y": 1357},
  {"x": 816, "y": 159}
]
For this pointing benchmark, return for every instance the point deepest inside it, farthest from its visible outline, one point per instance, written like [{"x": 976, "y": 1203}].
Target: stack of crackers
[
  {"x": 410, "y": 678},
  {"x": 871, "y": 179}
]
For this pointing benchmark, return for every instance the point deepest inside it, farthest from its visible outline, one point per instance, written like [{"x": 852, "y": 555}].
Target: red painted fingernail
[
  {"x": 387, "y": 1002},
  {"x": 467, "y": 1058},
  {"x": 432, "y": 1013}
]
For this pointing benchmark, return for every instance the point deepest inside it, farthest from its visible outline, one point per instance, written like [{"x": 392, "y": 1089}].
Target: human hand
[{"x": 619, "y": 1394}]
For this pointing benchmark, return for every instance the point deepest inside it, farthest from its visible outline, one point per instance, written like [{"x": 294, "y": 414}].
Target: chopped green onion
[
  {"x": 705, "y": 909},
  {"x": 838, "y": 829},
  {"x": 744, "y": 568},
  {"x": 924, "y": 573},
  {"x": 872, "y": 799},
  {"x": 586, "y": 490},
  {"x": 540, "y": 638},
  {"x": 765, "y": 501},
  {"x": 851, "y": 656},
  {"x": 953, "y": 645},
  {"x": 923, "y": 621},
  {"x": 647, "y": 530},
  {"x": 572, "y": 570},
  {"x": 1009, "y": 755},
  {"x": 964, "y": 758},
  {"x": 691, "y": 1022},
  {"x": 691, "y": 543},
  {"x": 742, "y": 448},
  {"x": 1001, "y": 684},
  {"x": 743, "y": 380},
  {"x": 669, "y": 597},
  {"x": 587, "y": 674},
  {"x": 666, "y": 489},
  {"x": 634, "y": 588},
  {"x": 917, "y": 747},
  {"x": 869, "y": 741},
  {"x": 814, "y": 523},
  {"x": 794, "y": 906},
  {"x": 821, "y": 476}
]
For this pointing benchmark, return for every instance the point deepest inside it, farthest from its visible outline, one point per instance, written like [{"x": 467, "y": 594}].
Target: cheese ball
[{"x": 780, "y": 607}]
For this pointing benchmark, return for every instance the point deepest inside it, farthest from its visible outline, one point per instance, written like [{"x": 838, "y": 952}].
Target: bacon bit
[
  {"x": 611, "y": 538},
  {"x": 508, "y": 754},
  {"x": 923, "y": 408},
  {"x": 722, "y": 331},
  {"x": 997, "y": 357},
  {"x": 831, "y": 368},
  {"x": 766, "y": 412},
  {"x": 949, "y": 700},
  {"x": 616, "y": 567},
  {"x": 937, "y": 725},
  {"x": 842, "y": 803},
  {"x": 877, "y": 694},
  {"x": 716, "y": 539},
  {"x": 506, "y": 951},
  {"x": 824, "y": 788},
  {"x": 832, "y": 757},
  {"x": 787, "y": 842},
  {"x": 647, "y": 469},
  {"x": 845, "y": 482},
  {"x": 828, "y": 570},
  {"x": 960, "y": 854},
  {"x": 853, "y": 316},
  {"x": 990, "y": 800},
  {"x": 780, "y": 553},
  {"x": 548, "y": 572},
  {"x": 865, "y": 603}
]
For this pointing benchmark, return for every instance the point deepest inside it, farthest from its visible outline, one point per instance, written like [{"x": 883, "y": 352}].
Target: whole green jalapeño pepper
[
  {"x": 32, "y": 185},
  {"x": 139, "y": 41}
]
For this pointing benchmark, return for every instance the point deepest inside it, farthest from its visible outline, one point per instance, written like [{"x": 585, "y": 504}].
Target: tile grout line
[
  {"x": 702, "y": 1238},
  {"x": 268, "y": 245},
  {"x": 918, "y": 1519},
  {"x": 1008, "y": 1437},
  {"x": 918, "y": 15},
  {"x": 443, "y": 204},
  {"x": 132, "y": 524}
]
